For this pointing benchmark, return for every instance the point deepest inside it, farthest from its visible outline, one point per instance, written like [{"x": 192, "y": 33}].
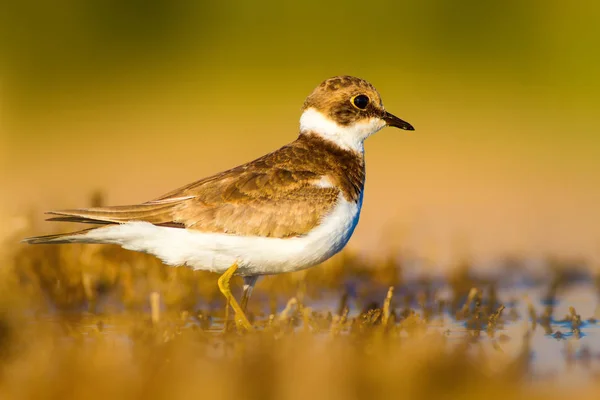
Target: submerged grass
[{"x": 97, "y": 322}]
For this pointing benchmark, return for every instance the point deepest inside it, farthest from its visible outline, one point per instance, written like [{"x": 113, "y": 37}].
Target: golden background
[
  {"x": 136, "y": 98},
  {"x": 124, "y": 100}
]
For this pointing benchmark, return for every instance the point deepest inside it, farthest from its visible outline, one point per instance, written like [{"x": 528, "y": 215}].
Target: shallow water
[{"x": 556, "y": 352}]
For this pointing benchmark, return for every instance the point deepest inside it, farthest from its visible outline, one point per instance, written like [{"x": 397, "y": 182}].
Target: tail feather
[
  {"x": 77, "y": 219},
  {"x": 71, "y": 237},
  {"x": 157, "y": 213}
]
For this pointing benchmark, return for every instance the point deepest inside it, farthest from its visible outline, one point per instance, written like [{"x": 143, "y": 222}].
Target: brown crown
[{"x": 333, "y": 98}]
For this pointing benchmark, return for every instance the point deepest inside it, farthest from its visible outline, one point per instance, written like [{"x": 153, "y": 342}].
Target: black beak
[{"x": 392, "y": 120}]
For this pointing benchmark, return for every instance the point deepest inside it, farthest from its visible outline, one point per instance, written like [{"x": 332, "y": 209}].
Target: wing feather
[{"x": 277, "y": 195}]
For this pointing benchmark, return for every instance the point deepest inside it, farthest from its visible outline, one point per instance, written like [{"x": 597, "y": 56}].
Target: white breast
[{"x": 216, "y": 252}]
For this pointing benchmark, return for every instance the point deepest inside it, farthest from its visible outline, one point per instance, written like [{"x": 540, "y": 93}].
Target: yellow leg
[{"x": 223, "y": 282}]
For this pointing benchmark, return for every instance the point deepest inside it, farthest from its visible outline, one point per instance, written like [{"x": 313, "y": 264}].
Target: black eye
[{"x": 361, "y": 101}]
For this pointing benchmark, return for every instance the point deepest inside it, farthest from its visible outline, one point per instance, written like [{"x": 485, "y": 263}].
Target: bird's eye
[{"x": 361, "y": 101}]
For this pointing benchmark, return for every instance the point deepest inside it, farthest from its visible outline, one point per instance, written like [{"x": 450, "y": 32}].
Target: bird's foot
[{"x": 240, "y": 318}]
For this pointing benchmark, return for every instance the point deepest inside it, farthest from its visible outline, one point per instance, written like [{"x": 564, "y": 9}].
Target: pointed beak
[{"x": 392, "y": 120}]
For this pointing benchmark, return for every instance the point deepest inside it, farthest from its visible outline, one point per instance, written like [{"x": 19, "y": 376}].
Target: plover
[{"x": 285, "y": 211}]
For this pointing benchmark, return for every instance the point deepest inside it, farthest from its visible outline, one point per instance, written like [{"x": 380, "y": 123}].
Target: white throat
[{"x": 349, "y": 137}]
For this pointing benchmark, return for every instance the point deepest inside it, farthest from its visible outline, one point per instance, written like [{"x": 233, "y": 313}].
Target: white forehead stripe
[{"x": 349, "y": 137}]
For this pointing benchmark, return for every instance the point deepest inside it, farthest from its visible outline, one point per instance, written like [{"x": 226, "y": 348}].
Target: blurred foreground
[{"x": 98, "y": 322}]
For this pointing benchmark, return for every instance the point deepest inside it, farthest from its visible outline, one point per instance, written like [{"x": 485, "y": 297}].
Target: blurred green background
[{"x": 134, "y": 98}]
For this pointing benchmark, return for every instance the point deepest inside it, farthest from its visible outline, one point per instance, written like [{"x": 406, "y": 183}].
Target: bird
[{"x": 286, "y": 211}]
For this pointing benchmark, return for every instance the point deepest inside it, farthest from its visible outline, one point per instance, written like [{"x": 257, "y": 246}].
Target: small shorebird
[{"x": 283, "y": 212}]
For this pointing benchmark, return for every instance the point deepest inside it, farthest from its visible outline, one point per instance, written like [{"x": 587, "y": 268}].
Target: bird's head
[{"x": 346, "y": 110}]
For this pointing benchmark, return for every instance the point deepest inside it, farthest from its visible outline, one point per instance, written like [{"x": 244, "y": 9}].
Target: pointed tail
[{"x": 71, "y": 237}]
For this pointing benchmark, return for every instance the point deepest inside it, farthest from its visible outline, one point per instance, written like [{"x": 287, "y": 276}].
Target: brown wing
[
  {"x": 271, "y": 203},
  {"x": 273, "y": 196}
]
